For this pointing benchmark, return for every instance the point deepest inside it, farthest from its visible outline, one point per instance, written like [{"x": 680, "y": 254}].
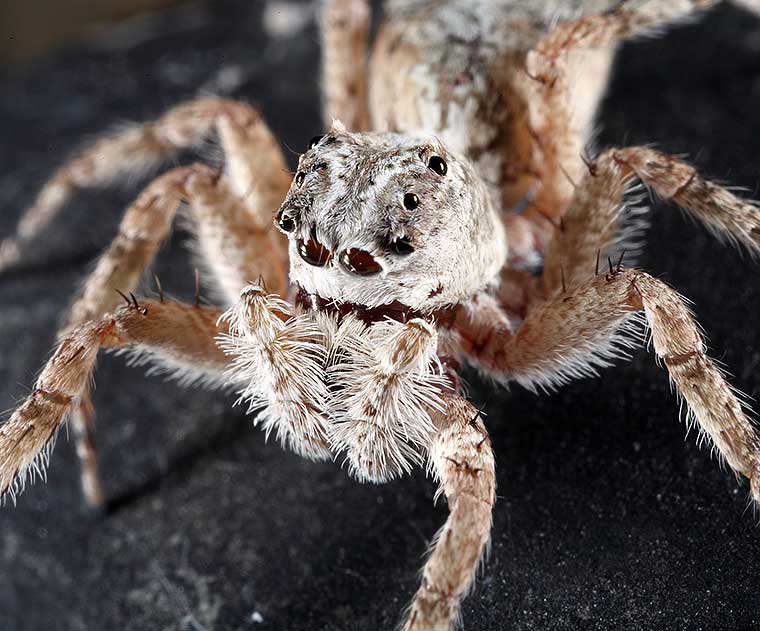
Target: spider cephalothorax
[
  {"x": 398, "y": 262},
  {"x": 377, "y": 218}
]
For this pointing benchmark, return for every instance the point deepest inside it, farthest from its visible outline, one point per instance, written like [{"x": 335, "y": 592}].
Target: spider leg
[
  {"x": 516, "y": 291},
  {"x": 462, "y": 460},
  {"x": 577, "y": 332},
  {"x": 280, "y": 360},
  {"x": 593, "y": 219},
  {"x": 344, "y": 29},
  {"x": 388, "y": 383},
  {"x": 143, "y": 228},
  {"x": 563, "y": 79},
  {"x": 140, "y": 148},
  {"x": 180, "y": 338},
  {"x": 233, "y": 242}
]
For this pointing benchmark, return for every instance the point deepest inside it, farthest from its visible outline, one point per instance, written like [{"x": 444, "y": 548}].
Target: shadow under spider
[{"x": 182, "y": 461}]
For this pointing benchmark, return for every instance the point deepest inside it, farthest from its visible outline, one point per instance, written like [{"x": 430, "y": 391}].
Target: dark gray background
[{"x": 606, "y": 518}]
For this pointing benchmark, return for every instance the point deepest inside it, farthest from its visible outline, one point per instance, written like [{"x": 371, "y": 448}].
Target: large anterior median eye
[
  {"x": 313, "y": 252},
  {"x": 359, "y": 262}
]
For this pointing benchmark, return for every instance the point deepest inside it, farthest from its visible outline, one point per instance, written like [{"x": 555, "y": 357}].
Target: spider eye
[
  {"x": 300, "y": 177},
  {"x": 313, "y": 252},
  {"x": 285, "y": 223},
  {"x": 315, "y": 141},
  {"x": 359, "y": 262},
  {"x": 402, "y": 246},
  {"x": 438, "y": 164},
  {"x": 411, "y": 201}
]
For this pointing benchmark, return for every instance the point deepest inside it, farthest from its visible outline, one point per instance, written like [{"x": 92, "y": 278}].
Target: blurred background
[{"x": 33, "y": 28}]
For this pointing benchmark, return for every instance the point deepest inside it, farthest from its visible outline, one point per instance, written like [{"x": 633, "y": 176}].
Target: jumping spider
[{"x": 411, "y": 248}]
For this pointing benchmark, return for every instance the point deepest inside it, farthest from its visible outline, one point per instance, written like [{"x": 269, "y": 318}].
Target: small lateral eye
[
  {"x": 315, "y": 141},
  {"x": 313, "y": 252},
  {"x": 438, "y": 164},
  {"x": 300, "y": 177},
  {"x": 401, "y": 246},
  {"x": 285, "y": 222},
  {"x": 411, "y": 201},
  {"x": 359, "y": 262}
]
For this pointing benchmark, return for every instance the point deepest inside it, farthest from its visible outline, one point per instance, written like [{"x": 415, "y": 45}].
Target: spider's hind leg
[
  {"x": 593, "y": 220},
  {"x": 344, "y": 30},
  {"x": 139, "y": 149},
  {"x": 563, "y": 79},
  {"x": 230, "y": 213}
]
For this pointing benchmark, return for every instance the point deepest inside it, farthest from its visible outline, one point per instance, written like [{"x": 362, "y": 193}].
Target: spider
[{"x": 467, "y": 226}]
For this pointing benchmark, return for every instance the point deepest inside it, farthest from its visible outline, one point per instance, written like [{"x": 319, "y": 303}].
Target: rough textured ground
[{"x": 606, "y": 518}]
